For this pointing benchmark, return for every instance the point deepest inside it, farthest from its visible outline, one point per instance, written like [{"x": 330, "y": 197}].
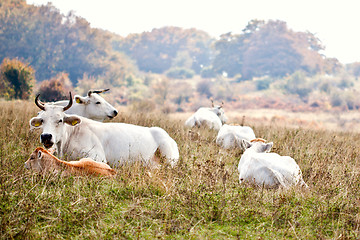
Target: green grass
[{"x": 198, "y": 199}]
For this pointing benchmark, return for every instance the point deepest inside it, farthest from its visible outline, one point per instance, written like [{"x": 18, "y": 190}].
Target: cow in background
[
  {"x": 229, "y": 135},
  {"x": 92, "y": 106},
  {"x": 260, "y": 167},
  {"x": 212, "y": 118}
]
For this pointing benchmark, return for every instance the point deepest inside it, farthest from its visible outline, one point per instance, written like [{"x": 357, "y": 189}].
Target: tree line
[{"x": 52, "y": 43}]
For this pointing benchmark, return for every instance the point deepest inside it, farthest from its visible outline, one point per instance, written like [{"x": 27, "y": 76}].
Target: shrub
[
  {"x": 239, "y": 78},
  {"x": 204, "y": 87},
  {"x": 56, "y": 89},
  {"x": 263, "y": 84},
  {"x": 345, "y": 82},
  {"x": 208, "y": 72},
  {"x": 180, "y": 73},
  {"x": 16, "y": 79},
  {"x": 297, "y": 84},
  {"x": 344, "y": 99}
]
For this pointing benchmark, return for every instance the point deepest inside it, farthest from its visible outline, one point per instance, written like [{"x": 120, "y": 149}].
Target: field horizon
[{"x": 200, "y": 198}]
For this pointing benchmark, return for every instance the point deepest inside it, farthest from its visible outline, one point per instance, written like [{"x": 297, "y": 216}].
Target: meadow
[{"x": 200, "y": 198}]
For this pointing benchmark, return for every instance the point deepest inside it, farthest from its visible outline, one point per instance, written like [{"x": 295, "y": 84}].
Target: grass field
[{"x": 198, "y": 199}]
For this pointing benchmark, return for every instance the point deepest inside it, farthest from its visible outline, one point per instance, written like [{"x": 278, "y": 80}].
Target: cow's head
[
  {"x": 219, "y": 111},
  {"x": 52, "y": 120},
  {"x": 257, "y": 145},
  {"x": 95, "y": 106}
]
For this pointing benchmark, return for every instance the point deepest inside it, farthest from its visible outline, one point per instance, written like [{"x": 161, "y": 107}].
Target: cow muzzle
[
  {"x": 46, "y": 140},
  {"x": 114, "y": 113}
]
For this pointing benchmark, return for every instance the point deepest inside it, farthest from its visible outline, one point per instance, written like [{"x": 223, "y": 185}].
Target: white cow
[
  {"x": 212, "y": 118},
  {"x": 262, "y": 168},
  {"x": 229, "y": 135},
  {"x": 113, "y": 143},
  {"x": 92, "y": 106}
]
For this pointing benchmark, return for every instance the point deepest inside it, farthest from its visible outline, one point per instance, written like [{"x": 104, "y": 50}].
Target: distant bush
[
  {"x": 347, "y": 100},
  {"x": 16, "y": 79},
  {"x": 180, "y": 92},
  {"x": 354, "y": 69},
  {"x": 204, "y": 88},
  {"x": 180, "y": 73},
  {"x": 263, "y": 84},
  {"x": 207, "y": 72},
  {"x": 297, "y": 84},
  {"x": 56, "y": 89},
  {"x": 325, "y": 87},
  {"x": 239, "y": 78},
  {"x": 346, "y": 82}
]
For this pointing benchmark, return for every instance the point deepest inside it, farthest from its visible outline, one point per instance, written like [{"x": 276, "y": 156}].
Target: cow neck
[
  {"x": 84, "y": 112},
  {"x": 250, "y": 151},
  {"x": 63, "y": 148},
  {"x": 51, "y": 162}
]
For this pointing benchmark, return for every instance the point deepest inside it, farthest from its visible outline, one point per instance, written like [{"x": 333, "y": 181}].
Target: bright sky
[{"x": 336, "y": 23}]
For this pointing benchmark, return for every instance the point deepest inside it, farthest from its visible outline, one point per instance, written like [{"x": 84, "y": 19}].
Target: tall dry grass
[{"x": 199, "y": 199}]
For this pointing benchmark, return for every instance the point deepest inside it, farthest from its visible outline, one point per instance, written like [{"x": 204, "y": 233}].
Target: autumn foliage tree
[
  {"x": 56, "y": 88},
  {"x": 268, "y": 48},
  {"x": 354, "y": 68},
  {"x": 52, "y": 42},
  {"x": 16, "y": 79},
  {"x": 159, "y": 50}
]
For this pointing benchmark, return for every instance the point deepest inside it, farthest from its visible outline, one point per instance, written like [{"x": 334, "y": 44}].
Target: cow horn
[
  {"x": 70, "y": 103},
  {"x": 212, "y": 102},
  {"x": 98, "y": 91},
  {"x": 38, "y": 103}
]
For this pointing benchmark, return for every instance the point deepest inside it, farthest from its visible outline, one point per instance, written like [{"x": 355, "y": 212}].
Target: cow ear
[
  {"x": 268, "y": 146},
  {"x": 39, "y": 154},
  {"x": 36, "y": 122},
  {"x": 245, "y": 144},
  {"x": 72, "y": 120},
  {"x": 81, "y": 100}
]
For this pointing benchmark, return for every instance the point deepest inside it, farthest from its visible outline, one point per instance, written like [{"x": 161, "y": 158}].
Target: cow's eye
[
  {"x": 98, "y": 102},
  {"x": 60, "y": 121}
]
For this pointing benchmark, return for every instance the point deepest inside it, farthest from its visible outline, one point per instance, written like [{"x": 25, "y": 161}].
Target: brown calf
[{"x": 42, "y": 161}]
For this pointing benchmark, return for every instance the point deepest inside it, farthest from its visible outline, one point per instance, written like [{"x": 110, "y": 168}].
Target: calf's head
[
  {"x": 36, "y": 160},
  {"x": 257, "y": 146},
  {"x": 97, "y": 107},
  {"x": 52, "y": 120}
]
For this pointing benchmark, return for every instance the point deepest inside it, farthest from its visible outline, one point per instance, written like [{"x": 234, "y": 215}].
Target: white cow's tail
[
  {"x": 303, "y": 184},
  {"x": 167, "y": 146}
]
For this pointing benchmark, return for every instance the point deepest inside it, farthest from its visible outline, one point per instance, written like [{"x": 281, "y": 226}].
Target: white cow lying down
[
  {"x": 229, "y": 135},
  {"x": 262, "y": 168},
  {"x": 212, "y": 118},
  {"x": 92, "y": 106},
  {"x": 113, "y": 143}
]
